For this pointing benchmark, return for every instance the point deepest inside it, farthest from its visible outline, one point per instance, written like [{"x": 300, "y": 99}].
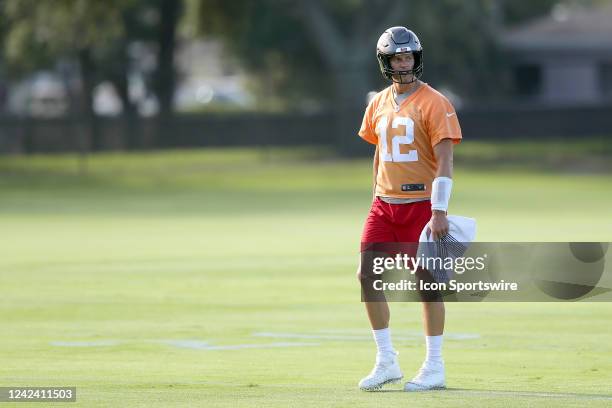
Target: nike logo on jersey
[{"x": 448, "y": 115}]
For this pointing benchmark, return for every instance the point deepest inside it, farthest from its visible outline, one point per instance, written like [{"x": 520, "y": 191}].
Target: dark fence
[
  {"x": 536, "y": 122},
  {"x": 502, "y": 123}
]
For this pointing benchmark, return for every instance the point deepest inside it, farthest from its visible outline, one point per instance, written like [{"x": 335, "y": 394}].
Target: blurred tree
[
  {"x": 515, "y": 12},
  {"x": 40, "y": 32},
  {"x": 313, "y": 50},
  {"x": 165, "y": 78},
  {"x": 303, "y": 50},
  {"x": 268, "y": 40},
  {"x": 301, "y": 53},
  {"x": 97, "y": 35},
  {"x": 299, "y": 49},
  {"x": 346, "y": 42}
]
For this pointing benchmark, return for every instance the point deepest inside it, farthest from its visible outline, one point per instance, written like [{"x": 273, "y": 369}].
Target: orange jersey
[{"x": 405, "y": 136}]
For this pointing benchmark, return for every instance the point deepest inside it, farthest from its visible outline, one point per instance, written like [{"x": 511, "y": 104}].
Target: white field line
[
  {"x": 100, "y": 343},
  {"x": 200, "y": 345},
  {"x": 355, "y": 337},
  {"x": 451, "y": 391},
  {"x": 533, "y": 394},
  {"x": 185, "y": 344},
  {"x": 205, "y": 345},
  {"x": 466, "y": 392}
]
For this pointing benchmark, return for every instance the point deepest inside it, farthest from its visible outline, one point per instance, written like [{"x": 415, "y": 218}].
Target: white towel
[
  {"x": 463, "y": 229},
  {"x": 461, "y": 232}
]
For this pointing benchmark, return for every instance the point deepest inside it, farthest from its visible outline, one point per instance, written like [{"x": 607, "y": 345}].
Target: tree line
[{"x": 296, "y": 52}]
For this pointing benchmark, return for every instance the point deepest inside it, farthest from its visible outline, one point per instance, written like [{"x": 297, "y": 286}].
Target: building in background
[{"x": 564, "y": 58}]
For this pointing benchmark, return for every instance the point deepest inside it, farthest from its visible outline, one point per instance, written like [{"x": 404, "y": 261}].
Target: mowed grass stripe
[{"x": 216, "y": 246}]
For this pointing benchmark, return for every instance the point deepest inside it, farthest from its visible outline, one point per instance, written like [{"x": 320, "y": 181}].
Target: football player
[{"x": 414, "y": 128}]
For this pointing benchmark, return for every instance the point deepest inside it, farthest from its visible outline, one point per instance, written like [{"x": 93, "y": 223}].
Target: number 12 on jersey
[{"x": 396, "y": 141}]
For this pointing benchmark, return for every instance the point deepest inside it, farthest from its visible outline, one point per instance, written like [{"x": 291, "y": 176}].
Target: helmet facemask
[{"x": 384, "y": 60}]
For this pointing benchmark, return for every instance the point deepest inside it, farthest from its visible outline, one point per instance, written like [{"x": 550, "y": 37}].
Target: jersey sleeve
[
  {"x": 442, "y": 122},
  {"x": 367, "y": 131}
]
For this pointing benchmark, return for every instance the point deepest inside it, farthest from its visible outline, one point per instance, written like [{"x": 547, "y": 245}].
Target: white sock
[
  {"x": 434, "y": 349},
  {"x": 383, "y": 341}
]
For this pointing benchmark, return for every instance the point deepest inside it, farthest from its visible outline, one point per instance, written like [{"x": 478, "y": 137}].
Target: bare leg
[
  {"x": 433, "y": 318},
  {"x": 378, "y": 313}
]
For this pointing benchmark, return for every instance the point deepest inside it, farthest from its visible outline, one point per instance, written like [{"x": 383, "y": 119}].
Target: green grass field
[{"x": 225, "y": 278}]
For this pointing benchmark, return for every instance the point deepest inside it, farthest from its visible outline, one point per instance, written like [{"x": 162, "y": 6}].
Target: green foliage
[
  {"x": 516, "y": 12},
  {"x": 271, "y": 39},
  {"x": 97, "y": 34},
  {"x": 459, "y": 45},
  {"x": 40, "y": 32}
]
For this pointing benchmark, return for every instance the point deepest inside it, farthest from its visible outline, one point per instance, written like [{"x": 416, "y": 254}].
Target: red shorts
[
  {"x": 395, "y": 222},
  {"x": 393, "y": 229}
]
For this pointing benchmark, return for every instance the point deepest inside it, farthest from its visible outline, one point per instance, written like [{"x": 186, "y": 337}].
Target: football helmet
[{"x": 397, "y": 40}]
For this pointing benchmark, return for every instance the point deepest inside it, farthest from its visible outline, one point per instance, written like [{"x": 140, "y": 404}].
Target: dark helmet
[{"x": 398, "y": 40}]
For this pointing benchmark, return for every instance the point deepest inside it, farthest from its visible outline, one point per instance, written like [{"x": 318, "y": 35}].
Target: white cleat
[
  {"x": 385, "y": 371},
  {"x": 429, "y": 377}
]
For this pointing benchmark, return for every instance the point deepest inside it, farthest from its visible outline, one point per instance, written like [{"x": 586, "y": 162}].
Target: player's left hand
[{"x": 438, "y": 224}]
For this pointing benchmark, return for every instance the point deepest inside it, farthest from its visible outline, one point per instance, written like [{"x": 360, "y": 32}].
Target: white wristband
[{"x": 440, "y": 193}]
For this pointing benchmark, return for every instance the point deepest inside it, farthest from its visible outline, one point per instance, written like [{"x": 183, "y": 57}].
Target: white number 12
[{"x": 396, "y": 141}]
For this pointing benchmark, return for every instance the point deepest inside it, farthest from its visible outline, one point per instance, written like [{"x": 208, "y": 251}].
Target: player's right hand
[{"x": 438, "y": 224}]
